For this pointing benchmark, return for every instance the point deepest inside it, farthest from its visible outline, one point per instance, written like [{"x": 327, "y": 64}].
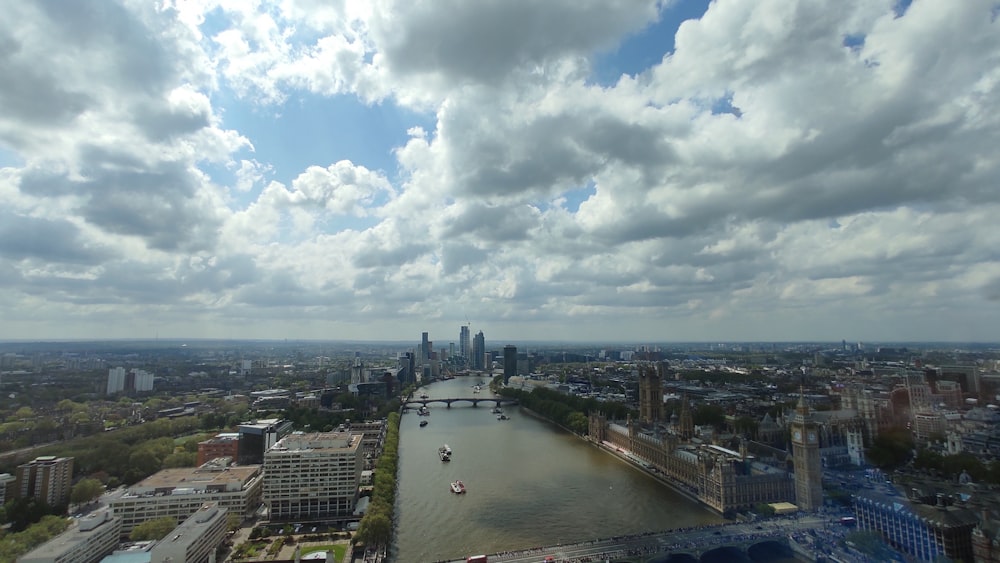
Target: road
[{"x": 698, "y": 539}]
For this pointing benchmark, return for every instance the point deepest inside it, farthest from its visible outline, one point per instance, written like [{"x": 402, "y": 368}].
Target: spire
[{"x": 802, "y": 408}]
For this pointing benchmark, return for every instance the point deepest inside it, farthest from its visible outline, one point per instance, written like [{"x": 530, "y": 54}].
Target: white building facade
[
  {"x": 195, "y": 540},
  {"x": 313, "y": 475},
  {"x": 88, "y": 541},
  {"x": 179, "y": 493}
]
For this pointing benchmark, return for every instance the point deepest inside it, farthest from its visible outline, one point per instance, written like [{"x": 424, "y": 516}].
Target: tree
[
  {"x": 153, "y": 529},
  {"x": 22, "y": 512},
  {"x": 709, "y": 414},
  {"x": 577, "y": 422},
  {"x": 86, "y": 490},
  {"x": 180, "y": 459},
  {"x": 144, "y": 462},
  {"x": 375, "y": 529},
  {"x": 891, "y": 448},
  {"x": 233, "y": 521},
  {"x": 764, "y": 509},
  {"x": 66, "y": 406}
]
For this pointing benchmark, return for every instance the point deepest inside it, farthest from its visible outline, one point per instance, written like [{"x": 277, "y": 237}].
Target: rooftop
[{"x": 194, "y": 478}]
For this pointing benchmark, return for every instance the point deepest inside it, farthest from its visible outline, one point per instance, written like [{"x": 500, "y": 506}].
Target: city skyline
[{"x": 564, "y": 171}]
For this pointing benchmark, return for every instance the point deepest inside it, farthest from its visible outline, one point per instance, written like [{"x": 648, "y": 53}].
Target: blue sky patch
[
  {"x": 312, "y": 130},
  {"x": 646, "y": 48}
]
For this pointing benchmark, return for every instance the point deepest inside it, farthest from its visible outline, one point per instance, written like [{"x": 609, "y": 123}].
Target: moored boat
[
  {"x": 458, "y": 487},
  {"x": 423, "y": 423},
  {"x": 444, "y": 452}
]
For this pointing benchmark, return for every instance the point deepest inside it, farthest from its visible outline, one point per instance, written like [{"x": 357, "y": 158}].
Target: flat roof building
[
  {"x": 258, "y": 436},
  {"x": 194, "y": 540},
  {"x": 86, "y": 541},
  {"x": 220, "y": 445},
  {"x": 46, "y": 478},
  {"x": 180, "y": 492},
  {"x": 313, "y": 475}
]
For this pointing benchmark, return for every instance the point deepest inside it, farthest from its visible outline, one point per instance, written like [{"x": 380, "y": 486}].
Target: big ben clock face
[
  {"x": 812, "y": 437},
  {"x": 797, "y": 435}
]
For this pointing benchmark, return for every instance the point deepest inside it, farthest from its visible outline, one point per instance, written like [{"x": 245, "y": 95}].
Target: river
[{"x": 529, "y": 483}]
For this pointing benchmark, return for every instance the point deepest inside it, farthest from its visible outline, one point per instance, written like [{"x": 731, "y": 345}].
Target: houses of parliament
[{"x": 696, "y": 462}]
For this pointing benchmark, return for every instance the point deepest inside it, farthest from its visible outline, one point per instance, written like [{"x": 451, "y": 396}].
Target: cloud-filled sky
[{"x": 599, "y": 170}]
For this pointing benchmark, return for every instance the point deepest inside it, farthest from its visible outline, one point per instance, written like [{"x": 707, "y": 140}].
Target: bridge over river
[
  {"x": 764, "y": 542},
  {"x": 474, "y": 401}
]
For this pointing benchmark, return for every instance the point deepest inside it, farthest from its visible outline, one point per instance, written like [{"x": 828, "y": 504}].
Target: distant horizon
[{"x": 638, "y": 343}]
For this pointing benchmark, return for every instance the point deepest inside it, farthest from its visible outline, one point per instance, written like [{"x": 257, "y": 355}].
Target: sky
[{"x": 576, "y": 170}]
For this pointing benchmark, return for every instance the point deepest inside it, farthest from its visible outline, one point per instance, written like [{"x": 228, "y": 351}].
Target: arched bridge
[{"x": 496, "y": 401}]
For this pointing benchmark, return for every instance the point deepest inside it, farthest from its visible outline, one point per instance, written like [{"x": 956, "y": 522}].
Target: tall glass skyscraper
[
  {"x": 464, "y": 344},
  {"x": 478, "y": 351}
]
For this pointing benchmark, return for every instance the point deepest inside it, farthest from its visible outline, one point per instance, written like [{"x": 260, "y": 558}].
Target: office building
[
  {"x": 221, "y": 445},
  {"x": 258, "y": 436},
  {"x": 509, "y": 362},
  {"x": 313, "y": 476},
  {"x": 180, "y": 492},
  {"x": 195, "y": 540},
  {"x": 87, "y": 540},
  {"x": 406, "y": 363},
  {"x": 425, "y": 348},
  {"x": 924, "y": 528},
  {"x": 47, "y": 478}
]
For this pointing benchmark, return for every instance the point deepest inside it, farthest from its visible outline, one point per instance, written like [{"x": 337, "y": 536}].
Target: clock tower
[{"x": 806, "y": 458}]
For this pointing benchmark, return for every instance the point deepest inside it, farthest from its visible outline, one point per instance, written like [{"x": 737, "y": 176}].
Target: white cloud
[{"x": 790, "y": 170}]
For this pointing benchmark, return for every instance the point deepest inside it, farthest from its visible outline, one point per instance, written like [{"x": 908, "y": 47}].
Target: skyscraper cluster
[{"x": 471, "y": 352}]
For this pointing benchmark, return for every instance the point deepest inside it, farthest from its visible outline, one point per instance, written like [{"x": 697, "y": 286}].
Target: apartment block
[
  {"x": 8, "y": 487},
  {"x": 46, "y": 478}
]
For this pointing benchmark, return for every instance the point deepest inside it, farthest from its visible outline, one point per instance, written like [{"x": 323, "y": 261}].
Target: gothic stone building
[{"x": 721, "y": 478}]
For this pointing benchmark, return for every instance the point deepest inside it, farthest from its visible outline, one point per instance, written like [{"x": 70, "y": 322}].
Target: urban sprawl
[{"x": 151, "y": 451}]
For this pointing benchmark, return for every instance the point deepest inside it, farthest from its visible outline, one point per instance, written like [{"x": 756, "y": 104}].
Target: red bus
[{"x": 476, "y": 559}]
